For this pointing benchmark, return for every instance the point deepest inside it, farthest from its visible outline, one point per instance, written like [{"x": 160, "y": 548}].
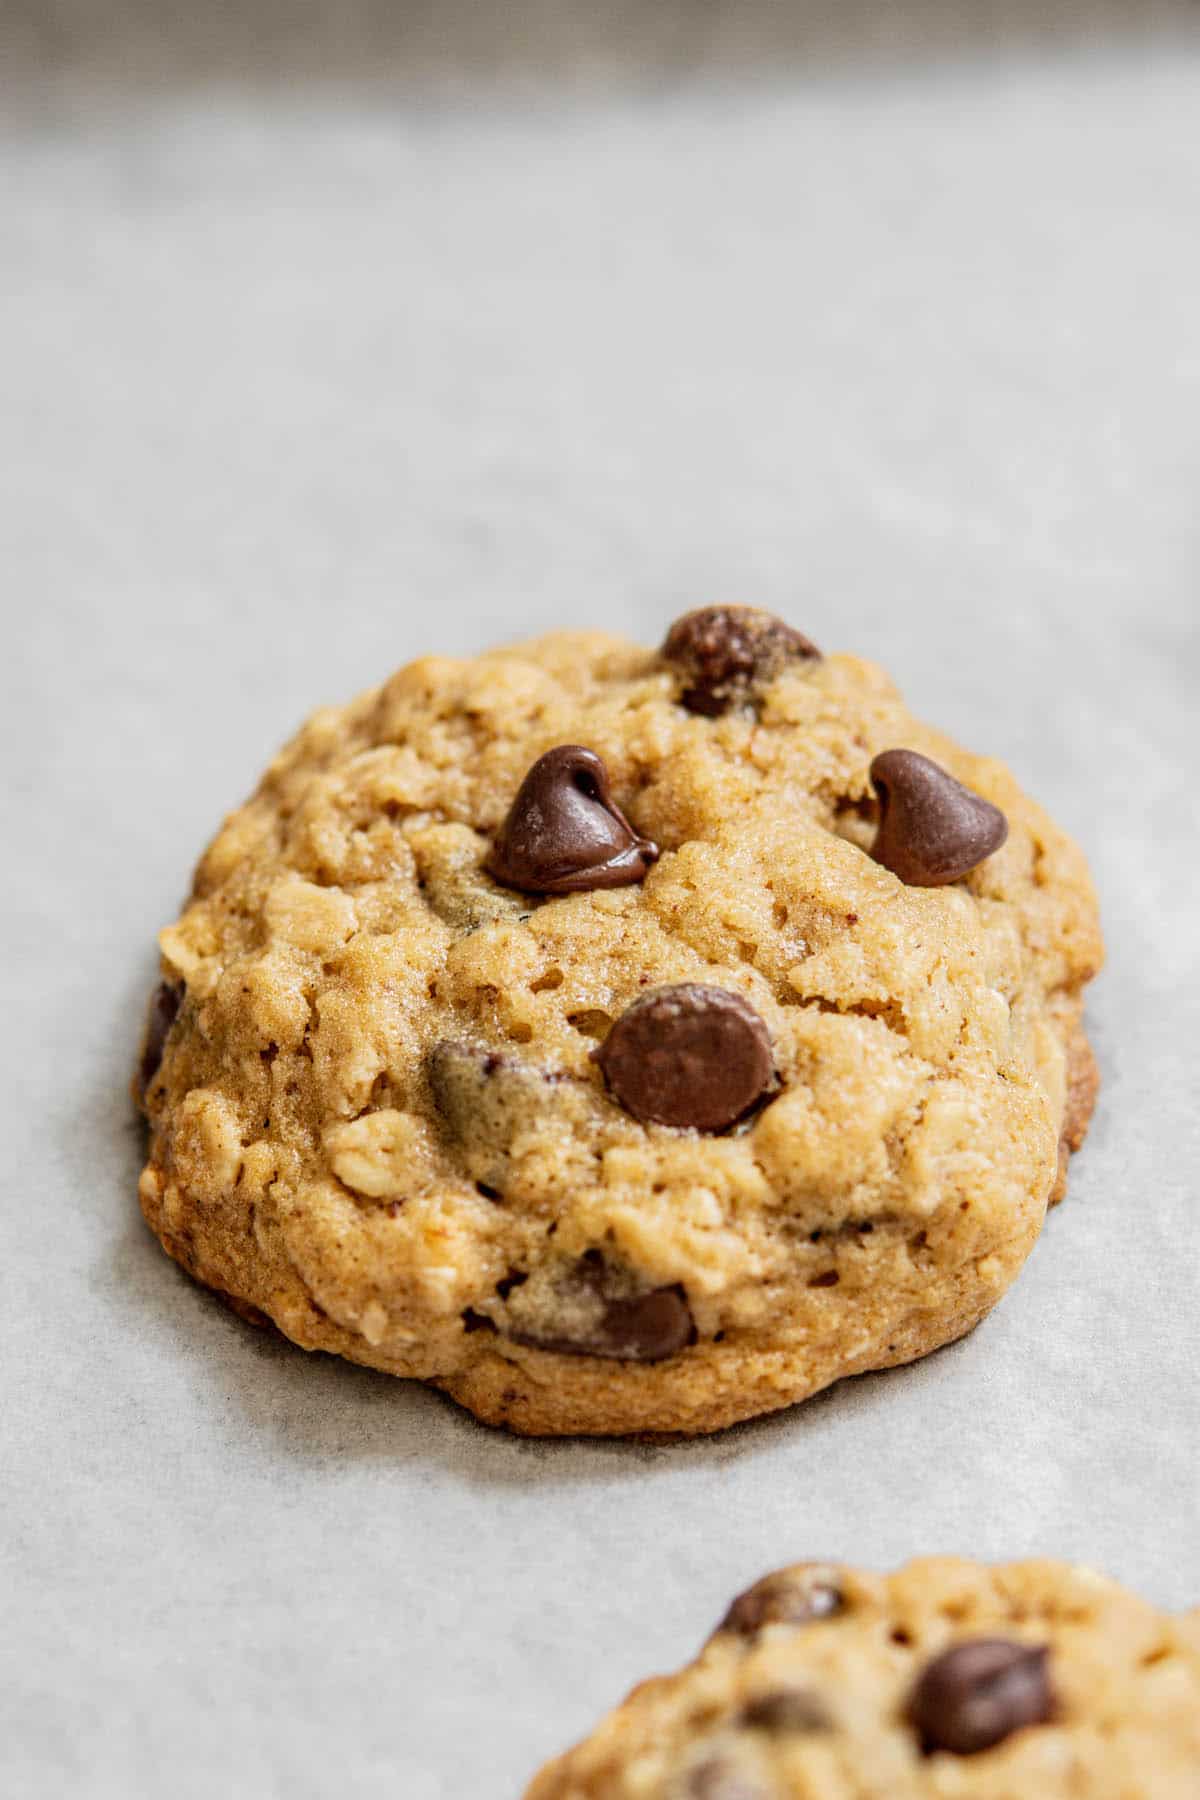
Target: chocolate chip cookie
[
  {"x": 623, "y": 1040},
  {"x": 1034, "y": 1681}
]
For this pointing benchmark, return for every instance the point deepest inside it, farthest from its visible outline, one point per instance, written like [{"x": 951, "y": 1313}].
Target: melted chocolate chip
[
  {"x": 164, "y": 1010},
  {"x": 978, "y": 1693},
  {"x": 647, "y": 1327},
  {"x": 688, "y": 1056},
  {"x": 791, "y": 1597},
  {"x": 565, "y": 832},
  {"x": 932, "y": 829},
  {"x": 625, "y": 1327},
  {"x": 725, "y": 652},
  {"x": 787, "y": 1709}
]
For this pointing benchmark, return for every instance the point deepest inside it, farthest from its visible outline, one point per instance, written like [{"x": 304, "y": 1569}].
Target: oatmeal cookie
[
  {"x": 947, "y": 1679},
  {"x": 623, "y": 1040}
]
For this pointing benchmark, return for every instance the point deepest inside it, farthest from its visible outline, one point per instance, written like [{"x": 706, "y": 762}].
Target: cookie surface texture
[
  {"x": 408, "y": 1113},
  {"x": 1029, "y": 1681}
]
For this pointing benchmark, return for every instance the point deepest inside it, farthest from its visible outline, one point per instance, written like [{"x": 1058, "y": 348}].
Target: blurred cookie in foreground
[{"x": 1030, "y": 1681}]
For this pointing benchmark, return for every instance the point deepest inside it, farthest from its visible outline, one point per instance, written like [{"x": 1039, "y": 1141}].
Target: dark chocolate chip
[
  {"x": 787, "y": 1709},
  {"x": 725, "y": 652},
  {"x": 565, "y": 832},
  {"x": 688, "y": 1056},
  {"x": 625, "y": 1327},
  {"x": 646, "y": 1327},
  {"x": 791, "y": 1597},
  {"x": 932, "y": 829},
  {"x": 978, "y": 1693},
  {"x": 164, "y": 1010}
]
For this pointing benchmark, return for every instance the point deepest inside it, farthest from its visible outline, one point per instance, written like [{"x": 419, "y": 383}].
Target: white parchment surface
[{"x": 297, "y": 385}]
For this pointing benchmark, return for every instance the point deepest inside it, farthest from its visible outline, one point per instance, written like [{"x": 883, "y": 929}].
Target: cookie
[
  {"x": 624, "y": 1040},
  {"x": 945, "y": 1679}
]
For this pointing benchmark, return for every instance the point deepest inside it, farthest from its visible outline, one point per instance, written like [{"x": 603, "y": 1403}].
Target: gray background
[{"x": 302, "y": 378}]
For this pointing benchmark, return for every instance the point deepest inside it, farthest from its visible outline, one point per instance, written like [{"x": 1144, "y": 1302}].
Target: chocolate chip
[
  {"x": 932, "y": 829},
  {"x": 978, "y": 1693},
  {"x": 164, "y": 1010},
  {"x": 648, "y": 1327},
  {"x": 610, "y": 1322},
  {"x": 565, "y": 832},
  {"x": 725, "y": 652},
  {"x": 688, "y": 1056},
  {"x": 787, "y": 1709},
  {"x": 790, "y": 1597}
]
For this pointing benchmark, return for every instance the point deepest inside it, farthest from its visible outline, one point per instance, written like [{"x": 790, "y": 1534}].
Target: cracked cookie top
[{"x": 555, "y": 1025}]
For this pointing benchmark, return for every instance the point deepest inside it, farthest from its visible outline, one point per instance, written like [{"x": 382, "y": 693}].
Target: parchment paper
[{"x": 298, "y": 385}]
